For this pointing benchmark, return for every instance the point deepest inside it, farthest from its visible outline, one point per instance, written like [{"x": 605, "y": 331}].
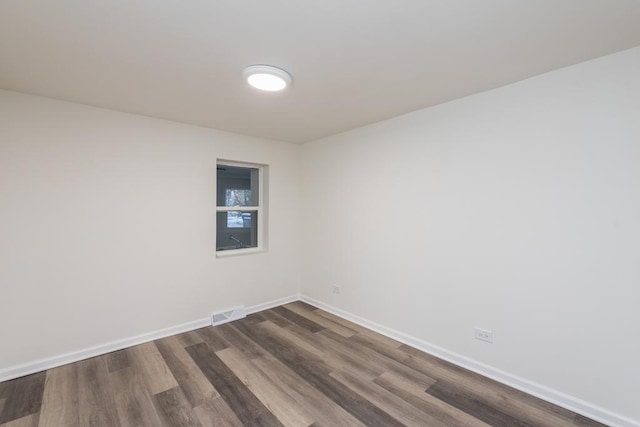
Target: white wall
[
  {"x": 515, "y": 210},
  {"x": 107, "y": 226}
]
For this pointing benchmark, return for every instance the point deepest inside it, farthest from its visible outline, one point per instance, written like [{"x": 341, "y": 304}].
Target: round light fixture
[{"x": 266, "y": 77}]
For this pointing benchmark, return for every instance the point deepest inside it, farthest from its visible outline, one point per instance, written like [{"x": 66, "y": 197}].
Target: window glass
[
  {"x": 241, "y": 233},
  {"x": 238, "y": 186},
  {"x": 238, "y": 207}
]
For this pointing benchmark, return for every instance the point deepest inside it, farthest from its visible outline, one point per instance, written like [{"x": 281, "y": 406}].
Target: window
[{"x": 239, "y": 211}]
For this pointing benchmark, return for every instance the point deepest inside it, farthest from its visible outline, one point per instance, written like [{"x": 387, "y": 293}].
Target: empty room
[{"x": 335, "y": 213}]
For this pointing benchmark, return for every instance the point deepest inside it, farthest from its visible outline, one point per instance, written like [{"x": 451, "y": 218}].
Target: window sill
[{"x": 236, "y": 252}]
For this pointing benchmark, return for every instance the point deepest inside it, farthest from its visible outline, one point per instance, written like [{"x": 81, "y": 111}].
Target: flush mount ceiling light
[{"x": 266, "y": 77}]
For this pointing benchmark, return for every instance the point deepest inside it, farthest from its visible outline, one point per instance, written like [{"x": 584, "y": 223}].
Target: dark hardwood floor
[{"x": 293, "y": 365}]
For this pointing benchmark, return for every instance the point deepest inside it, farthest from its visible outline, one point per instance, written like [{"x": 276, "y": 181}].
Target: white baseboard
[
  {"x": 566, "y": 401},
  {"x": 272, "y": 304},
  {"x": 74, "y": 356}
]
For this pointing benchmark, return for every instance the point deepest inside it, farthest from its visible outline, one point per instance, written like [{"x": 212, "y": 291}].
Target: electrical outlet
[
  {"x": 483, "y": 335},
  {"x": 336, "y": 289}
]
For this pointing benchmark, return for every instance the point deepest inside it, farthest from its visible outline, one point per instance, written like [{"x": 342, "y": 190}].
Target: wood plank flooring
[{"x": 293, "y": 365}]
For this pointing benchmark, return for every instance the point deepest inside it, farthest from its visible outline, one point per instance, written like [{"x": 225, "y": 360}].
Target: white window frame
[{"x": 260, "y": 209}]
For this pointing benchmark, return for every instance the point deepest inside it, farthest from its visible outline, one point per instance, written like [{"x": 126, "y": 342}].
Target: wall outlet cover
[{"x": 483, "y": 335}]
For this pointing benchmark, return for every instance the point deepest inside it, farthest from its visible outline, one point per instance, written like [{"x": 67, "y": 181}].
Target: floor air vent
[{"x": 228, "y": 315}]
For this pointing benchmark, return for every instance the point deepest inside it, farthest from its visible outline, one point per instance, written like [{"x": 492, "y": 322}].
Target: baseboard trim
[
  {"x": 74, "y": 356},
  {"x": 274, "y": 303},
  {"x": 566, "y": 401},
  {"x": 98, "y": 350}
]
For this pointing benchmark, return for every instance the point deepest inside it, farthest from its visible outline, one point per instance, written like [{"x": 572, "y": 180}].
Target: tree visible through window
[{"x": 235, "y": 197}]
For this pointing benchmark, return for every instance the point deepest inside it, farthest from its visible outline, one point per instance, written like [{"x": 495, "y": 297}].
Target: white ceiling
[{"x": 353, "y": 62}]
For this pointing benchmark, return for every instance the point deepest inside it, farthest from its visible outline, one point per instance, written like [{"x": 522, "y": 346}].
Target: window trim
[{"x": 260, "y": 209}]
